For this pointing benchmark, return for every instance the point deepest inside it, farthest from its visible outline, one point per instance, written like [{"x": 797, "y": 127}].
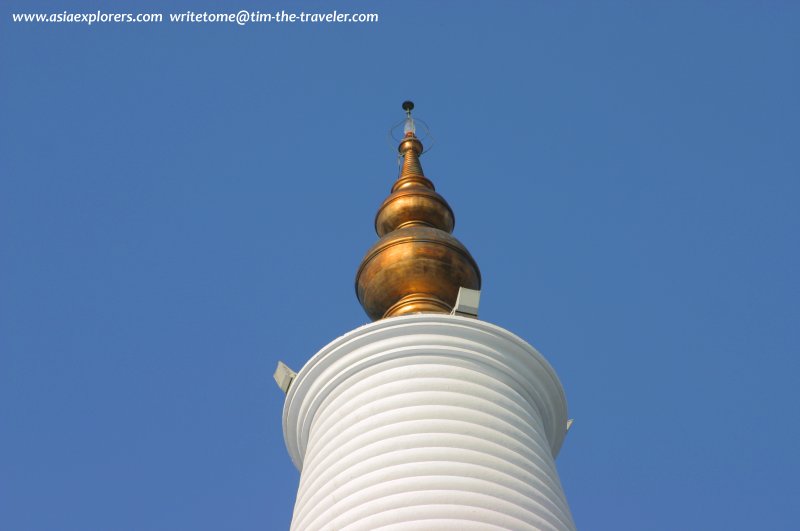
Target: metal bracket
[
  {"x": 467, "y": 303},
  {"x": 284, "y": 376}
]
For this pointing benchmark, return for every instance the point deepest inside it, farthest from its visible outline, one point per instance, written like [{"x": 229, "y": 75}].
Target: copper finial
[{"x": 417, "y": 266}]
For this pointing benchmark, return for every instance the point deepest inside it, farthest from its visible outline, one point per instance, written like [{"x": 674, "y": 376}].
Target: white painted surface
[{"x": 427, "y": 422}]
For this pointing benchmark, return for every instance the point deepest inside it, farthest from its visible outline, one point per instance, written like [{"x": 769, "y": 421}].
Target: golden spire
[
  {"x": 417, "y": 266},
  {"x": 410, "y": 148}
]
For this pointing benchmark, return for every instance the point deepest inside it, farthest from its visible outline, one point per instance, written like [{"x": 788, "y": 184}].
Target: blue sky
[{"x": 181, "y": 206}]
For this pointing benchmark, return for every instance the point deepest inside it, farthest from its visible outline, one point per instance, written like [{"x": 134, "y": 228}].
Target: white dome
[{"x": 427, "y": 422}]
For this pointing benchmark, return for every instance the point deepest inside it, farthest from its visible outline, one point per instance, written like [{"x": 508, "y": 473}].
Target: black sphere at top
[{"x": 408, "y": 105}]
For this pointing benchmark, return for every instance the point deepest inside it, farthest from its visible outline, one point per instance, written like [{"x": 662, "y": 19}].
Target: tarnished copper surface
[
  {"x": 414, "y": 269},
  {"x": 415, "y": 205},
  {"x": 417, "y": 266}
]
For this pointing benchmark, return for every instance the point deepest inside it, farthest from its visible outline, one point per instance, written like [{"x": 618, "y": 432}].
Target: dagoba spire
[
  {"x": 425, "y": 420},
  {"x": 417, "y": 266}
]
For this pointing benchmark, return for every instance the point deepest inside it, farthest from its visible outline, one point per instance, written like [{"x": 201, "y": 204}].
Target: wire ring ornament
[{"x": 420, "y": 129}]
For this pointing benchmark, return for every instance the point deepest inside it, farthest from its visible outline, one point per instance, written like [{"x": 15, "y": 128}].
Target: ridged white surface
[{"x": 427, "y": 422}]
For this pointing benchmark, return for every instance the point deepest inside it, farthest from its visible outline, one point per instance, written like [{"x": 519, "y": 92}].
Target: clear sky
[{"x": 182, "y": 205}]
